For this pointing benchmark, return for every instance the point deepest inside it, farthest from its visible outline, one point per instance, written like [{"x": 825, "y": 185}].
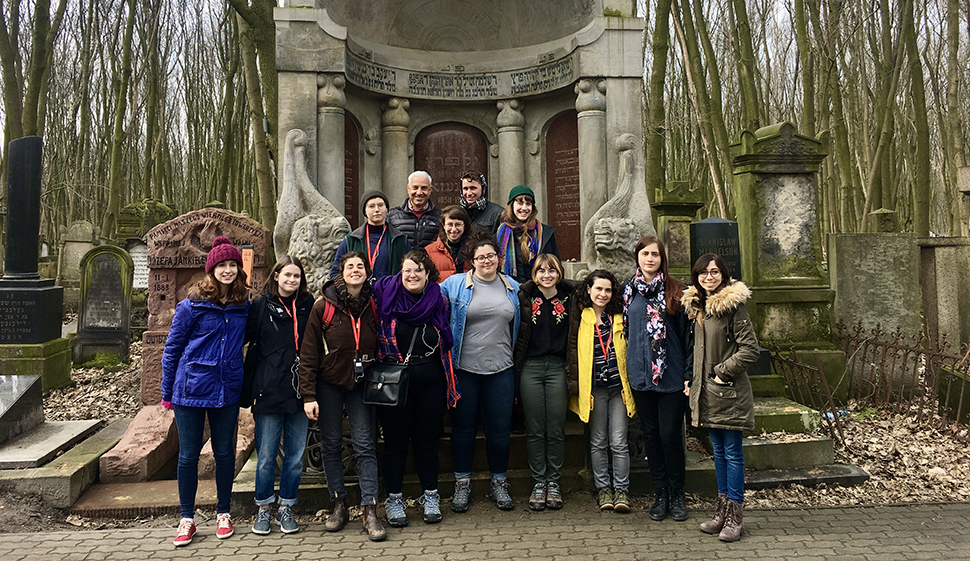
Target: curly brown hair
[{"x": 420, "y": 257}]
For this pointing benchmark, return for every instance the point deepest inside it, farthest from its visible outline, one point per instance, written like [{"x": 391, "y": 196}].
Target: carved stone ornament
[
  {"x": 590, "y": 95},
  {"x": 510, "y": 113}
]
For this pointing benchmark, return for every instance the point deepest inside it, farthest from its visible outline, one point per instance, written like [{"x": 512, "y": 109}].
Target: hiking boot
[
  {"x": 395, "y": 511},
  {"x": 463, "y": 492},
  {"x": 500, "y": 494},
  {"x": 339, "y": 517},
  {"x": 372, "y": 524},
  {"x": 223, "y": 525},
  {"x": 621, "y": 503},
  {"x": 716, "y": 523},
  {"x": 185, "y": 532},
  {"x": 537, "y": 501},
  {"x": 432, "y": 507},
  {"x": 261, "y": 525},
  {"x": 661, "y": 504},
  {"x": 606, "y": 498},
  {"x": 553, "y": 496},
  {"x": 733, "y": 526},
  {"x": 284, "y": 517},
  {"x": 678, "y": 505}
]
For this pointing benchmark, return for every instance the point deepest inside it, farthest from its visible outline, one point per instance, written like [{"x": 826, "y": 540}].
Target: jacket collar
[
  {"x": 469, "y": 282},
  {"x": 726, "y": 300}
]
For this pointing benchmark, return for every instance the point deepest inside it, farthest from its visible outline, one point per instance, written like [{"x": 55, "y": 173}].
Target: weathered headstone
[
  {"x": 718, "y": 236},
  {"x": 105, "y": 311},
  {"x": 139, "y": 257},
  {"x": 80, "y": 238}
]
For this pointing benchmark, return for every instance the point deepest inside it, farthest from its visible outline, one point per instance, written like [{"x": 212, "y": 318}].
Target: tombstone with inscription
[
  {"x": 30, "y": 307},
  {"x": 718, "y": 236},
  {"x": 105, "y": 311},
  {"x": 80, "y": 238}
]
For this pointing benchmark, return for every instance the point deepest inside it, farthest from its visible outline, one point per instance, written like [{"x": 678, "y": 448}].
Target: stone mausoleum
[{"x": 538, "y": 93}]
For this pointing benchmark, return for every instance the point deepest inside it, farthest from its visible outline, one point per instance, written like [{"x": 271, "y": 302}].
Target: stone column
[
  {"x": 330, "y": 137},
  {"x": 591, "y": 105},
  {"x": 394, "y": 124},
  {"x": 23, "y": 199},
  {"x": 511, "y": 148}
]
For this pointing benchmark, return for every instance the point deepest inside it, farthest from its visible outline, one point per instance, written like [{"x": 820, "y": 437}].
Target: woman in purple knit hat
[{"x": 202, "y": 376}]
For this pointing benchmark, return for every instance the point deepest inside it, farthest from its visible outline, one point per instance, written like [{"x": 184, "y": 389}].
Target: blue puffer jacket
[
  {"x": 202, "y": 365},
  {"x": 458, "y": 289}
]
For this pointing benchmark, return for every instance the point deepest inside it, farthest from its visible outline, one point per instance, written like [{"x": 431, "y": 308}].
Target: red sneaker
[
  {"x": 186, "y": 532},
  {"x": 223, "y": 526}
]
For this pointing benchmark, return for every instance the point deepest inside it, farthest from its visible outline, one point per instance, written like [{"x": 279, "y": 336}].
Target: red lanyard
[
  {"x": 606, "y": 347},
  {"x": 296, "y": 330},
  {"x": 355, "y": 327},
  {"x": 377, "y": 248}
]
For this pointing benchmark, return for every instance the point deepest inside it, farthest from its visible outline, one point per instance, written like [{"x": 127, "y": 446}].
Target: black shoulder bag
[{"x": 386, "y": 383}]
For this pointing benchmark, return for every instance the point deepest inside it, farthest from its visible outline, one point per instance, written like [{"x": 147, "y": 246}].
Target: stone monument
[
  {"x": 80, "y": 238},
  {"x": 105, "y": 311},
  {"x": 676, "y": 206},
  {"x": 30, "y": 307}
]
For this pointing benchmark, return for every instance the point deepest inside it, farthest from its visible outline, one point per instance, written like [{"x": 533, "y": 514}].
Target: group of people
[{"x": 476, "y": 315}]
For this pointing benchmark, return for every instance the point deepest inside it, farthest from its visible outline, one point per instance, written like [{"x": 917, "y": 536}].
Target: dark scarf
[
  {"x": 454, "y": 249},
  {"x": 395, "y": 302},
  {"x": 355, "y": 305},
  {"x": 656, "y": 327}
]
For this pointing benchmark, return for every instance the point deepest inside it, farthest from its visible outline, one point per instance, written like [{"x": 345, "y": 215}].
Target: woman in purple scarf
[{"x": 411, "y": 308}]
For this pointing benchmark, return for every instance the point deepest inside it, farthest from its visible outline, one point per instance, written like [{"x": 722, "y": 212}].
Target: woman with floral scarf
[
  {"x": 521, "y": 236},
  {"x": 658, "y": 352}
]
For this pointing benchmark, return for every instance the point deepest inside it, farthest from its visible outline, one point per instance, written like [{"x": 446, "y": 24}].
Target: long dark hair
[
  {"x": 615, "y": 305},
  {"x": 673, "y": 288},
  {"x": 420, "y": 257},
  {"x": 208, "y": 288},
  {"x": 272, "y": 287},
  {"x": 700, "y": 266}
]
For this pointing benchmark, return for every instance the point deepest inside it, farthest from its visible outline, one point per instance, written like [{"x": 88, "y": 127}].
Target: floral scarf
[
  {"x": 653, "y": 292},
  {"x": 507, "y": 238}
]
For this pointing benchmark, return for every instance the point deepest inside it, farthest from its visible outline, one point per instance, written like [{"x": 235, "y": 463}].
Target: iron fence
[{"x": 808, "y": 386}]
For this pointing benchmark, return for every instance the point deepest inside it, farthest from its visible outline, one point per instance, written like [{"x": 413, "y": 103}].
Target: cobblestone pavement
[{"x": 576, "y": 532}]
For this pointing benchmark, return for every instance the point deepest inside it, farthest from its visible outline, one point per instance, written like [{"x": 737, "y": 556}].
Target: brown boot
[
  {"x": 339, "y": 517},
  {"x": 372, "y": 525},
  {"x": 716, "y": 522},
  {"x": 733, "y": 527}
]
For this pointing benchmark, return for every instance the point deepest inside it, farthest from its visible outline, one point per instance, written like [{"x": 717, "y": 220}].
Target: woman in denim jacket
[{"x": 202, "y": 375}]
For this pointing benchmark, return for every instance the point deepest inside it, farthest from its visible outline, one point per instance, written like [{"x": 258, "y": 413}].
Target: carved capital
[
  {"x": 372, "y": 141},
  {"x": 330, "y": 91},
  {"x": 510, "y": 113},
  {"x": 590, "y": 95},
  {"x": 396, "y": 113}
]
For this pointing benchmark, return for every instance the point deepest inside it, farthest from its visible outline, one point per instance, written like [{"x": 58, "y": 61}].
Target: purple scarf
[{"x": 394, "y": 301}]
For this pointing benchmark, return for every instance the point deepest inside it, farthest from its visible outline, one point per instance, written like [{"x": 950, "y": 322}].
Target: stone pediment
[{"x": 777, "y": 145}]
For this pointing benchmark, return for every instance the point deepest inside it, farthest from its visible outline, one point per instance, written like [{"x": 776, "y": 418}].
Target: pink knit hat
[{"x": 222, "y": 250}]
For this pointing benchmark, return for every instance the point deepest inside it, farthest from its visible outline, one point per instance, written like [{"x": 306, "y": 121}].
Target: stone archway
[
  {"x": 562, "y": 184},
  {"x": 446, "y": 150},
  {"x": 352, "y": 171}
]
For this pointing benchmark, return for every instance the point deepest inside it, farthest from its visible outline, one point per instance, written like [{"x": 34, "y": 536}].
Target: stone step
[
  {"x": 37, "y": 446},
  {"x": 21, "y": 405},
  {"x": 844, "y": 475},
  {"x": 779, "y": 414},
  {"x": 141, "y": 500},
  {"x": 767, "y": 454},
  {"x": 770, "y": 385}
]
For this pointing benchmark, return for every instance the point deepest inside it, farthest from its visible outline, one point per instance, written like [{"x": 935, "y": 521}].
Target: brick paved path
[{"x": 576, "y": 532}]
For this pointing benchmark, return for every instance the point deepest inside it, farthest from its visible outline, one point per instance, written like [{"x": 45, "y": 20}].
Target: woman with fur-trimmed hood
[{"x": 725, "y": 345}]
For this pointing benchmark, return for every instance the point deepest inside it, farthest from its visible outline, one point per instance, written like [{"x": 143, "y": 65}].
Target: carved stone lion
[
  {"x": 314, "y": 241},
  {"x": 615, "y": 239}
]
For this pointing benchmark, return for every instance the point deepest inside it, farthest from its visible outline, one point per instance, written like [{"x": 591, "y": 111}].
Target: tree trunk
[
  {"x": 921, "y": 175},
  {"x": 109, "y": 225},
  {"x": 264, "y": 175},
  {"x": 955, "y": 155},
  {"x": 656, "y": 114},
  {"x": 807, "y": 67},
  {"x": 744, "y": 53}
]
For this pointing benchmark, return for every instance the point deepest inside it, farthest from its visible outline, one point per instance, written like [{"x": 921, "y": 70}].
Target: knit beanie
[
  {"x": 521, "y": 190},
  {"x": 372, "y": 194},
  {"x": 222, "y": 250}
]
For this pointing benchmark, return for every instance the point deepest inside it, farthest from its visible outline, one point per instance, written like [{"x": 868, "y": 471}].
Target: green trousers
[{"x": 544, "y": 399}]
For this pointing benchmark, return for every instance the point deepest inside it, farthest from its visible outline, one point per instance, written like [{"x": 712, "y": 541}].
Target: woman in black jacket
[{"x": 275, "y": 331}]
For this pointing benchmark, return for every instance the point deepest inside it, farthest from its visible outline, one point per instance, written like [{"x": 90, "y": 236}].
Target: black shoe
[
  {"x": 661, "y": 504},
  {"x": 678, "y": 505}
]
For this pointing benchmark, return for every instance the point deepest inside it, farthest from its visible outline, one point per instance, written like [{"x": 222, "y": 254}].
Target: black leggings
[{"x": 662, "y": 420}]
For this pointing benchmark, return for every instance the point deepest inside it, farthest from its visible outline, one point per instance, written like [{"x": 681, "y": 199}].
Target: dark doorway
[
  {"x": 447, "y": 150},
  {"x": 562, "y": 184}
]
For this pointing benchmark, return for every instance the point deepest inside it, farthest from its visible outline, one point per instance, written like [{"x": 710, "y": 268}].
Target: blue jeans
[
  {"x": 728, "y": 463},
  {"x": 607, "y": 433},
  {"x": 332, "y": 401},
  {"x": 292, "y": 427},
  {"x": 190, "y": 422},
  {"x": 485, "y": 398}
]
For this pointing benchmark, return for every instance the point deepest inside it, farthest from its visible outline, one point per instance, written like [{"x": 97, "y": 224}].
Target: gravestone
[
  {"x": 139, "y": 257},
  {"x": 21, "y": 405},
  {"x": 105, "y": 310},
  {"x": 676, "y": 206},
  {"x": 718, "y": 236},
  {"x": 80, "y": 238}
]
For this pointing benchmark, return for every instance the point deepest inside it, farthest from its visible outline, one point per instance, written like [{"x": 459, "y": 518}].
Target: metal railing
[{"x": 809, "y": 387}]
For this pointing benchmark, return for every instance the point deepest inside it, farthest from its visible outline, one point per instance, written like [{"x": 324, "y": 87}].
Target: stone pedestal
[
  {"x": 945, "y": 288},
  {"x": 676, "y": 207},
  {"x": 21, "y": 405}
]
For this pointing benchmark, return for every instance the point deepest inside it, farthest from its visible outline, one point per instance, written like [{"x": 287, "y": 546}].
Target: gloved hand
[{"x": 167, "y": 404}]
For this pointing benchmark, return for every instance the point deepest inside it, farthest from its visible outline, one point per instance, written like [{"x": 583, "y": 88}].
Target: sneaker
[
  {"x": 185, "y": 533},
  {"x": 284, "y": 517},
  {"x": 261, "y": 525},
  {"x": 621, "y": 503},
  {"x": 606, "y": 498},
  {"x": 223, "y": 525},
  {"x": 463, "y": 493},
  {"x": 395, "y": 510},
  {"x": 500, "y": 494},
  {"x": 553, "y": 496},
  {"x": 432, "y": 507},
  {"x": 537, "y": 501}
]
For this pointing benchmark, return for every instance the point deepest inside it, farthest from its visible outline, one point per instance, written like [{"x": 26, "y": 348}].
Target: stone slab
[
  {"x": 37, "y": 446},
  {"x": 21, "y": 405},
  {"x": 761, "y": 454},
  {"x": 138, "y": 500},
  {"x": 245, "y": 444},
  {"x": 774, "y": 414},
  {"x": 67, "y": 476},
  {"x": 841, "y": 474},
  {"x": 148, "y": 443}
]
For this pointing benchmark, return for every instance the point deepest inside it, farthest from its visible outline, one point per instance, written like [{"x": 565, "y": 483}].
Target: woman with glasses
[
  {"x": 484, "y": 323},
  {"x": 446, "y": 251},
  {"x": 725, "y": 345},
  {"x": 521, "y": 236}
]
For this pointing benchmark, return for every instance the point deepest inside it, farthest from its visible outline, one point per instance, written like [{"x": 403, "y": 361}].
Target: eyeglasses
[
  {"x": 710, "y": 273},
  {"x": 409, "y": 272},
  {"x": 485, "y": 258}
]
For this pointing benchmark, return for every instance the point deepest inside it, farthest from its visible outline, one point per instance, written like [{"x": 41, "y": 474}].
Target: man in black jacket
[
  {"x": 417, "y": 217},
  {"x": 474, "y": 199}
]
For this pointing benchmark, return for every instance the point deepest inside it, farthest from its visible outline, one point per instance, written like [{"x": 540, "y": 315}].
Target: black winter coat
[
  {"x": 419, "y": 231},
  {"x": 270, "y": 383}
]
